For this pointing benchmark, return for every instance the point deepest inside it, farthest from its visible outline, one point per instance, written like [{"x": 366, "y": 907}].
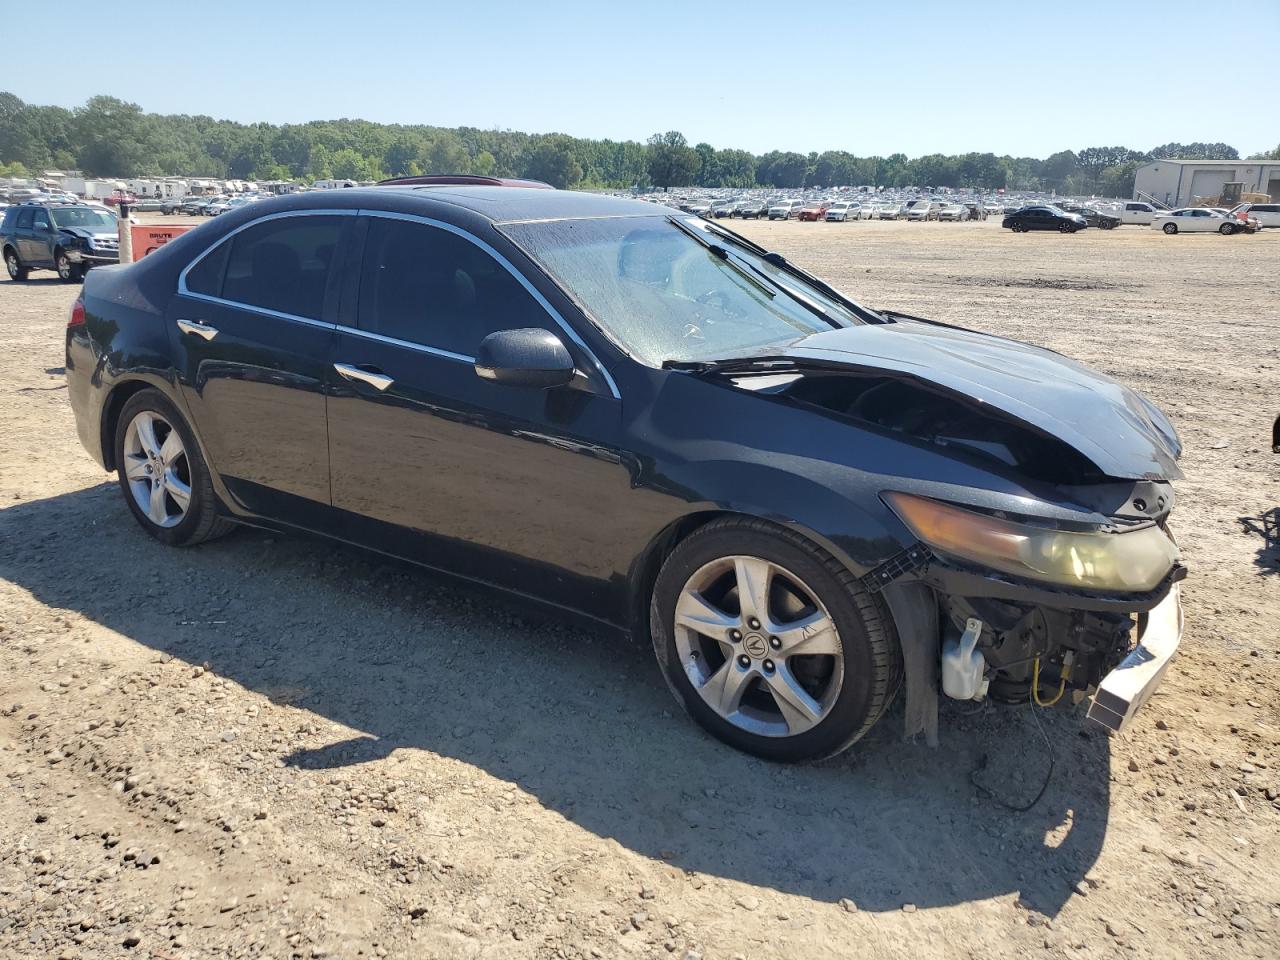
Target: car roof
[{"x": 508, "y": 204}]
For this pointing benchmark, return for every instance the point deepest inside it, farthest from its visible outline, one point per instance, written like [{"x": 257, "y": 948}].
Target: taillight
[{"x": 77, "y": 314}]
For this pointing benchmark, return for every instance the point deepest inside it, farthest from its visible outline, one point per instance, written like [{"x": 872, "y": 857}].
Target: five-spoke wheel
[
  {"x": 771, "y": 643},
  {"x": 165, "y": 480}
]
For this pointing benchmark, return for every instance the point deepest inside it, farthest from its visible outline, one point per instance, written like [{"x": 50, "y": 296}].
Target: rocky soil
[{"x": 277, "y": 748}]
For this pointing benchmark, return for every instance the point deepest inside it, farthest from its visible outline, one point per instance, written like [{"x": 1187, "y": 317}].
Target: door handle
[
  {"x": 374, "y": 378},
  {"x": 197, "y": 328}
]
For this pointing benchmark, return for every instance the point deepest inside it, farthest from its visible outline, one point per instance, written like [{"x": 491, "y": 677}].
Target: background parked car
[
  {"x": 890, "y": 211},
  {"x": 1096, "y": 218},
  {"x": 1267, "y": 214},
  {"x": 1194, "y": 220},
  {"x": 814, "y": 210},
  {"x": 751, "y": 210},
  {"x": 1044, "y": 218},
  {"x": 954, "y": 211},
  {"x": 843, "y": 210},
  {"x": 785, "y": 210}
]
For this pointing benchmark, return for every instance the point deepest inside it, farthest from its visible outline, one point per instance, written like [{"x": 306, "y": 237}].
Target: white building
[{"x": 1179, "y": 183}]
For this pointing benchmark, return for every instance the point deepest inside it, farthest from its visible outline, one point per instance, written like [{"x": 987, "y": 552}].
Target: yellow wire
[{"x": 1035, "y": 687}]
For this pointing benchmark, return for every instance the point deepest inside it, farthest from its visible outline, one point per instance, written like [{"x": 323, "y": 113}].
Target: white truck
[{"x": 1139, "y": 212}]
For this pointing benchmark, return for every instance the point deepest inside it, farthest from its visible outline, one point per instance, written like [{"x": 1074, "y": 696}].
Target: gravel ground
[{"x": 280, "y": 748}]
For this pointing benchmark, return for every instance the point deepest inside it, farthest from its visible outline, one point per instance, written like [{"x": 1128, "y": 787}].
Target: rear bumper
[{"x": 1125, "y": 689}]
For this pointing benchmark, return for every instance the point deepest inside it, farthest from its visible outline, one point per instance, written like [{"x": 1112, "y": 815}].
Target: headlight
[{"x": 1136, "y": 560}]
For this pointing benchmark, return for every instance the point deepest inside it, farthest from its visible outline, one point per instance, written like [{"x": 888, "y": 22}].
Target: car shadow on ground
[
  {"x": 1265, "y": 526},
  {"x": 579, "y": 719}
]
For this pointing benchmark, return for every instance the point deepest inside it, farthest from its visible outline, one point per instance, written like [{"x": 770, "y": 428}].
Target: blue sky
[{"x": 919, "y": 77}]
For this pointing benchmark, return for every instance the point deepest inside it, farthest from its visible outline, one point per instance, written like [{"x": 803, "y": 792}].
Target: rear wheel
[
  {"x": 165, "y": 480},
  {"x": 770, "y": 643},
  {"x": 11, "y": 263},
  {"x": 1170, "y": 228}
]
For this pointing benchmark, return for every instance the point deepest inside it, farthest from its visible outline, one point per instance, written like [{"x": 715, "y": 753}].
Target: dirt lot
[{"x": 275, "y": 748}]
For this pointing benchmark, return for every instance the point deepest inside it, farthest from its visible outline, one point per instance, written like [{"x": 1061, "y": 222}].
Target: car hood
[
  {"x": 87, "y": 232},
  {"x": 1121, "y": 432}
]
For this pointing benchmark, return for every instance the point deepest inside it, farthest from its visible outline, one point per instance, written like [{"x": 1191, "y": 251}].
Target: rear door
[
  {"x": 253, "y": 329},
  {"x": 510, "y": 485}
]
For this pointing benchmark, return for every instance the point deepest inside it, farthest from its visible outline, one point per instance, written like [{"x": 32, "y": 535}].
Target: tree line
[{"x": 107, "y": 137}]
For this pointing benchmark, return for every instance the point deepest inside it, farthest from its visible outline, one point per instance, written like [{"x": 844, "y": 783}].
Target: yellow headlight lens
[{"x": 1133, "y": 561}]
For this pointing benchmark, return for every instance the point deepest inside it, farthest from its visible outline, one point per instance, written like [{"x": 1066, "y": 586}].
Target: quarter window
[
  {"x": 432, "y": 287},
  {"x": 281, "y": 265}
]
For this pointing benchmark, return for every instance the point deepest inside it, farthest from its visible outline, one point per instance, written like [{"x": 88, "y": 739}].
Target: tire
[
  {"x": 68, "y": 272},
  {"x": 1066, "y": 228},
  {"x": 183, "y": 527},
  {"x": 1226, "y": 229},
  {"x": 1170, "y": 228},
  {"x": 849, "y": 681},
  {"x": 17, "y": 272}
]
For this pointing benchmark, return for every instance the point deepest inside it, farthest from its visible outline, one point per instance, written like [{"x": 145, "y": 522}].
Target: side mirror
[{"x": 525, "y": 358}]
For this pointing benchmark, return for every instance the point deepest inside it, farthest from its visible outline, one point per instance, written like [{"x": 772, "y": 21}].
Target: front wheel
[
  {"x": 1226, "y": 229},
  {"x": 69, "y": 272},
  {"x": 770, "y": 643},
  {"x": 1066, "y": 228},
  {"x": 1170, "y": 228},
  {"x": 165, "y": 480}
]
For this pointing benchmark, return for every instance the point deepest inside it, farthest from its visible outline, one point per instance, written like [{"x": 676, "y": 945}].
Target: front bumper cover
[{"x": 1125, "y": 689}]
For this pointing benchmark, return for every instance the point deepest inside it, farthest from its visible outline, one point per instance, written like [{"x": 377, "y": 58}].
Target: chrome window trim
[
  {"x": 563, "y": 324},
  {"x": 264, "y": 310},
  {"x": 420, "y": 347},
  {"x": 182, "y": 277},
  {"x": 519, "y": 277}
]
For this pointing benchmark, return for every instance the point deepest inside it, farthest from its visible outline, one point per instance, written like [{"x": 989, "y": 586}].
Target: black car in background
[
  {"x": 1044, "y": 217},
  {"x": 643, "y": 418},
  {"x": 1096, "y": 218},
  {"x": 751, "y": 209},
  {"x": 66, "y": 237}
]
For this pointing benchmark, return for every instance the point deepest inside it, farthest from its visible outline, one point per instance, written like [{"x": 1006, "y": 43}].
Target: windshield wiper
[
  {"x": 743, "y": 270},
  {"x": 782, "y": 263},
  {"x": 731, "y": 365}
]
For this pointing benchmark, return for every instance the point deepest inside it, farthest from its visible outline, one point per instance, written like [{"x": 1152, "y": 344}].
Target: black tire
[
  {"x": 202, "y": 521},
  {"x": 1170, "y": 228},
  {"x": 1066, "y": 228},
  {"x": 869, "y": 642},
  {"x": 17, "y": 272},
  {"x": 68, "y": 272}
]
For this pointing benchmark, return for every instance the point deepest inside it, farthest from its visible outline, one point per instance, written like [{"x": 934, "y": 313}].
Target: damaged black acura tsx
[{"x": 640, "y": 417}]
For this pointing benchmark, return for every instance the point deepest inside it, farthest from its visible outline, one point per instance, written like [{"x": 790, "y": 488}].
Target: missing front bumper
[{"x": 1125, "y": 689}]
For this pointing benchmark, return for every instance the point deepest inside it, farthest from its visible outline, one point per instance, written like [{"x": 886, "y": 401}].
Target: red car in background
[
  {"x": 120, "y": 197},
  {"x": 814, "y": 210}
]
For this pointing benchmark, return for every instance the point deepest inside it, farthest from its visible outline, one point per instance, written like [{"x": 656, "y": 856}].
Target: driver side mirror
[{"x": 530, "y": 357}]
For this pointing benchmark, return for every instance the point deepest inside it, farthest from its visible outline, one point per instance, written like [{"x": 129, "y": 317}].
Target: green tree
[
  {"x": 1194, "y": 151},
  {"x": 552, "y": 160},
  {"x": 1267, "y": 155},
  {"x": 671, "y": 161}
]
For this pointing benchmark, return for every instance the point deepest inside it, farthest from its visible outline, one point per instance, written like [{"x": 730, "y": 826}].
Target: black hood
[{"x": 1121, "y": 432}]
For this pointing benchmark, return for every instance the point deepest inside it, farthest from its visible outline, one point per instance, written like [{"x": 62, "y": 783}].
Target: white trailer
[{"x": 101, "y": 189}]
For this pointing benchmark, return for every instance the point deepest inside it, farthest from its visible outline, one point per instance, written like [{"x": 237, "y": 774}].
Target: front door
[
  {"x": 253, "y": 329},
  {"x": 509, "y": 485}
]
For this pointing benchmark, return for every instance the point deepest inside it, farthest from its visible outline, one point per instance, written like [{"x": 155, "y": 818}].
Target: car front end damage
[{"x": 1036, "y": 560}]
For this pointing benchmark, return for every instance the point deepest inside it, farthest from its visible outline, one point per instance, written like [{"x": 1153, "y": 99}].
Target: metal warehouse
[{"x": 1181, "y": 183}]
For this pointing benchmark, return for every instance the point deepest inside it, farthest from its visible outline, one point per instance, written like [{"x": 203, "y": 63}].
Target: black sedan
[
  {"x": 1044, "y": 217},
  {"x": 639, "y": 417},
  {"x": 1096, "y": 218}
]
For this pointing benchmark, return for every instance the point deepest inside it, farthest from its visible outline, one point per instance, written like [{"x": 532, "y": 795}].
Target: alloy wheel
[
  {"x": 758, "y": 646},
  {"x": 157, "y": 469},
  {"x": 64, "y": 267},
  {"x": 11, "y": 264}
]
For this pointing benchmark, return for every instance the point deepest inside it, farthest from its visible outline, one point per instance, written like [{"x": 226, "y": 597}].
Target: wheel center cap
[{"x": 755, "y": 645}]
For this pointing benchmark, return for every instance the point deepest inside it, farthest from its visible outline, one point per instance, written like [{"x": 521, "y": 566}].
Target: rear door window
[
  {"x": 283, "y": 265},
  {"x": 25, "y": 217}
]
